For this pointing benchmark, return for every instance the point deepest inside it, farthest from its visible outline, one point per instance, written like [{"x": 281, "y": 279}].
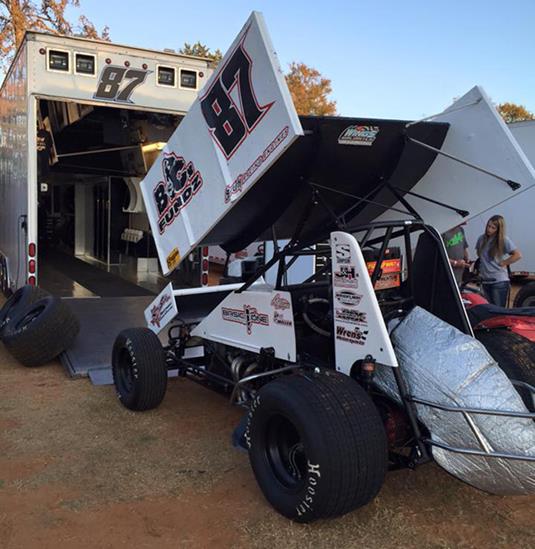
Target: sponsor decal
[
  {"x": 389, "y": 280},
  {"x": 117, "y": 83},
  {"x": 355, "y": 335},
  {"x": 173, "y": 259},
  {"x": 387, "y": 266},
  {"x": 181, "y": 182},
  {"x": 246, "y": 316},
  {"x": 390, "y": 273},
  {"x": 237, "y": 186},
  {"x": 347, "y": 297},
  {"x": 351, "y": 316},
  {"x": 278, "y": 318},
  {"x": 230, "y": 122},
  {"x": 279, "y": 302},
  {"x": 159, "y": 310},
  {"x": 346, "y": 277},
  {"x": 359, "y": 135},
  {"x": 343, "y": 253}
]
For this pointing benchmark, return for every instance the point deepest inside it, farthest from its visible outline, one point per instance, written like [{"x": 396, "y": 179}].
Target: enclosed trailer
[
  {"x": 80, "y": 122},
  {"x": 517, "y": 210}
]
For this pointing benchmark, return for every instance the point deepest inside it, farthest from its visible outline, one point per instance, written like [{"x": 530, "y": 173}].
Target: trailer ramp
[{"x": 101, "y": 319}]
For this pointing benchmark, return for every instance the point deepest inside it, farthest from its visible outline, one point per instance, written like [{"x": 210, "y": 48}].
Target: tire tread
[
  {"x": 151, "y": 384},
  {"x": 350, "y": 430}
]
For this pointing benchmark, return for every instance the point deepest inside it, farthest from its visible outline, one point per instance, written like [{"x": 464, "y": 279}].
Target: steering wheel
[{"x": 317, "y": 315}]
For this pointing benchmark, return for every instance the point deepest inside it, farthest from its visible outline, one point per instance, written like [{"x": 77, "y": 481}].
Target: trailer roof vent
[
  {"x": 58, "y": 60},
  {"x": 85, "y": 64},
  {"x": 166, "y": 76},
  {"x": 188, "y": 79}
]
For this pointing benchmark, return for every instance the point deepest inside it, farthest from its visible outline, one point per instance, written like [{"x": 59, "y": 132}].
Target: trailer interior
[{"x": 94, "y": 236}]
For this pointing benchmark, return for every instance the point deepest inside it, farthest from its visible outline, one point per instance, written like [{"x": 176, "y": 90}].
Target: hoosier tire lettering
[
  {"x": 313, "y": 476},
  {"x": 247, "y": 434}
]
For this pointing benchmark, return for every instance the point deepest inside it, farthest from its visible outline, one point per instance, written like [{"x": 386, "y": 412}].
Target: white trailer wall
[
  {"x": 114, "y": 76},
  {"x": 14, "y": 167},
  {"x": 524, "y": 133},
  {"x": 518, "y": 210}
]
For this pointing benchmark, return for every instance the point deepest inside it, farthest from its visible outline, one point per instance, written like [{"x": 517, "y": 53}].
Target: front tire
[
  {"x": 139, "y": 369},
  {"x": 317, "y": 445}
]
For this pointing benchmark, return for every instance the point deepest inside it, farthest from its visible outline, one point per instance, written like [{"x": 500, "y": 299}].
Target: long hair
[{"x": 497, "y": 246}]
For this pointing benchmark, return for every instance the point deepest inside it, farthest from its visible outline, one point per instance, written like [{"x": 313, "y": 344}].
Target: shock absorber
[{"x": 367, "y": 371}]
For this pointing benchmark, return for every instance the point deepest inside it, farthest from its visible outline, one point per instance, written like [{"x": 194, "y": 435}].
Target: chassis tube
[{"x": 208, "y": 289}]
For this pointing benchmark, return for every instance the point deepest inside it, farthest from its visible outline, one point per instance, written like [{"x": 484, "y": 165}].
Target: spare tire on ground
[
  {"x": 40, "y": 331},
  {"x": 21, "y": 298}
]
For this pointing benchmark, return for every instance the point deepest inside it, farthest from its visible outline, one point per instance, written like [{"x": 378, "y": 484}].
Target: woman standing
[{"x": 496, "y": 251}]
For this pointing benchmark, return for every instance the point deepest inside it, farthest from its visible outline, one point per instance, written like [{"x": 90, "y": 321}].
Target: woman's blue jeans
[{"x": 497, "y": 293}]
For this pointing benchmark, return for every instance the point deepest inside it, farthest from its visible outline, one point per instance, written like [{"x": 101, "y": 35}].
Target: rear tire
[
  {"x": 139, "y": 369},
  {"x": 515, "y": 355},
  {"x": 525, "y": 296},
  {"x": 40, "y": 331},
  {"x": 21, "y": 298},
  {"x": 317, "y": 445}
]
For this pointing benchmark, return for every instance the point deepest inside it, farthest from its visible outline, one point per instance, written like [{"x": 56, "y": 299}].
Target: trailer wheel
[
  {"x": 525, "y": 296},
  {"x": 139, "y": 369},
  {"x": 21, "y": 298},
  {"x": 40, "y": 331},
  {"x": 317, "y": 445},
  {"x": 515, "y": 355}
]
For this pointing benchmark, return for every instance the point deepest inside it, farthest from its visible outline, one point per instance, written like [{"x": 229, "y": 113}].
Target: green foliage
[
  {"x": 308, "y": 88},
  {"x": 200, "y": 50}
]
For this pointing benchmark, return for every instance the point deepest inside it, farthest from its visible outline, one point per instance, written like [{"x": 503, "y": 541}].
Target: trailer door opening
[{"x": 93, "y": 235}]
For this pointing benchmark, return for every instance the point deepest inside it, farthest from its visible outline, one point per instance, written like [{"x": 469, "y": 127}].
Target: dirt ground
[{"x": 78, "y": 470}]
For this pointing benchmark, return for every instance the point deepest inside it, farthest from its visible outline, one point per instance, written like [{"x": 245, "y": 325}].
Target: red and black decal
[
  {"x": 181, "y": 182},
  {"x": 229, "y": 122}
]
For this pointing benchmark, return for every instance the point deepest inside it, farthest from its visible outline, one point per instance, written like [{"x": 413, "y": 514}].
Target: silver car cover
[{"x": 443, "y": 365}]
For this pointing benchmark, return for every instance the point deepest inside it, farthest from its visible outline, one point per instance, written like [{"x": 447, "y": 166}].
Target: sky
[{"x": 403, "y": 59}]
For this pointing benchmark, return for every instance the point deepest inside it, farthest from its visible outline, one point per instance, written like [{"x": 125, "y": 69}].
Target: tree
[
  {"x": 18, "y": 16},
  {"x": 309, "y": 90},
  {"x": 200, "y": 50},
  {"x": 511, "y": 112}
]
